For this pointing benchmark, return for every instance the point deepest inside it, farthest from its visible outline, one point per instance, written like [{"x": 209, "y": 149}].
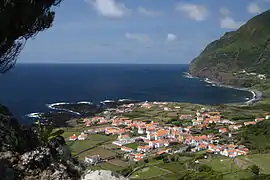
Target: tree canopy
[{"x": 21, "y": 20}]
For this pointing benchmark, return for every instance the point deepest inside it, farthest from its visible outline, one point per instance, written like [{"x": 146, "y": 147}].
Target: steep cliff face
[
  {"x": 22, "y": 157},
  {"x": 247, "y": 48}
]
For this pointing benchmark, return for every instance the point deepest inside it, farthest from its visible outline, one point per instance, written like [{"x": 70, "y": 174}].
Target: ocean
[{"x": 29, "y": 88}]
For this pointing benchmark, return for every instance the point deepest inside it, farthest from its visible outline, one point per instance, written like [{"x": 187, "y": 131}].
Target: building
[
  {"x": 222, "y": 130},
  {"x": 82, "y": 136},
  {"x": 123, "y": 137},
  {"x": 161, "y": 134},
  {"x": 141, "y": 130},
  {"x": 73, "y": 137},
  {"x": 249, "y": 123},
  {"x": 126, "y": 149},
  {"x": 92, "y": 159},
  {"x": 143, "y": 149}
]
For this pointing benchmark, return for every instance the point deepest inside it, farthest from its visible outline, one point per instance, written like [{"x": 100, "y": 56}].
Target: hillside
[{"x": 247, "y": 48}]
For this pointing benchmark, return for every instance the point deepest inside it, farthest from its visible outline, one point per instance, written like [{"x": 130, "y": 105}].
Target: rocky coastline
[{"x": 256, "y": 94}]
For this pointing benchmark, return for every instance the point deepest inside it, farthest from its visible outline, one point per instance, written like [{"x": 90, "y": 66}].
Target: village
[{"x": 206, "y": 130}]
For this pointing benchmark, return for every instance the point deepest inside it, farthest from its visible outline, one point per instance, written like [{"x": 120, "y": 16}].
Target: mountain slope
[{"x": 247, "y": 48}]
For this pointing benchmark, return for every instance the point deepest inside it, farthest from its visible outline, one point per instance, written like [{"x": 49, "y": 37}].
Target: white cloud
[
  {"x": 138, "y": 37},
  {"x": 224, "y": 11},
  {"x": 229, "y": 23},
  {"x": 254, "y": 8},
  {"x": 147, "y": 12},
  {"x": 109, "y": 8},
  {"x": 171, "y": 37},
  {"x": 194, "y": 11}
]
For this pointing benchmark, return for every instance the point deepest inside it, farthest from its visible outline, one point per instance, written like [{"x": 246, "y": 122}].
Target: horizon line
[{"x": 103, "y": 63}]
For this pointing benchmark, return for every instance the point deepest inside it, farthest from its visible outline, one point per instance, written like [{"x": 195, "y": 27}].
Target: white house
[
  {"x": 141, "y": 130},
  {"x": 92, "y": 159},
  {"x": 126, "y": 149},
  {"x": 156, "y": 144},
  {"x": 82, "y": 136}
]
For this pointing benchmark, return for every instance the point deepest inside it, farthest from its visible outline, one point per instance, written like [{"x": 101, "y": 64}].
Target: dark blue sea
[{"x": 29, "y": 87}]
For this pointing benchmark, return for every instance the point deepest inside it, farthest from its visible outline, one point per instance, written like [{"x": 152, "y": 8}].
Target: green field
[
  {"x": 261, "y": 160},
  {"x": 132, "y": 145},
  {"x": 149, "y": 173}
]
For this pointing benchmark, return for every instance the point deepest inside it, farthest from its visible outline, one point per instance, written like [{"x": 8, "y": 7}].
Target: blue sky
[{"x": 137, "y": 31}]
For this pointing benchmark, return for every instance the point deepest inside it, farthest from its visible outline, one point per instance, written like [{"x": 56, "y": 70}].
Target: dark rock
[{"x": 22, "y": 157}]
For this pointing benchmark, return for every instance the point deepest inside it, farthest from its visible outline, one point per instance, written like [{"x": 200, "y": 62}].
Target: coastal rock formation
[
  {"x": 23, "y": 157},
  {"x": 247, "y": 48},
  {"x": 102, "y": 175}
]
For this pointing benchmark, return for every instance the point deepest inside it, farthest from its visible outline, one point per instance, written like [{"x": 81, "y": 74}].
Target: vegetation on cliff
[
  {"x": 247, "y": 48},
  {"x": 257, "y": 137},
  {"x": 21, "y": 20}
]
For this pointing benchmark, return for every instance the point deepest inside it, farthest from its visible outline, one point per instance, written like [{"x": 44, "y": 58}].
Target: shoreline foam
[{"x": 256, "y": 95}]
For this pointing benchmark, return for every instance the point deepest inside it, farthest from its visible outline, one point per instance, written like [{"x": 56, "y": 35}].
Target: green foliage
[
  {"x": 46, "y": 132},
  {"x": 21, "y": 20},
  {"x": 247, "y": 48},
  {"x": 256, "y": 137},
  {"x": 204, "y": 172},
  {"x": 255, "y": 169}
]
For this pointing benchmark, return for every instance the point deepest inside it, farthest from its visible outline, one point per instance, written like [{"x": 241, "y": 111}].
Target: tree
[
  {"x": 146, "y": 161},
  {"x": 255, "y": 169},
  {"x": 46, "y": 132},
  {"x": 21, "y": 20}
]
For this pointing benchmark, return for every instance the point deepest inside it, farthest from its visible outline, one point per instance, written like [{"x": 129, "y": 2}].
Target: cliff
[
  {"x": 23, "y": 157},
  {"x": 247, "y": 48}
]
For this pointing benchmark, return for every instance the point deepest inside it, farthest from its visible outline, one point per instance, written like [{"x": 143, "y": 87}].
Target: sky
[{"x": 137, "y": 31}]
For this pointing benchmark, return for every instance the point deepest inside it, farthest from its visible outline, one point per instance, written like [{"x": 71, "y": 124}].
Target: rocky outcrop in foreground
[
  {"x": 102, "y": 175},
  {"x": 23, "y": 157}
]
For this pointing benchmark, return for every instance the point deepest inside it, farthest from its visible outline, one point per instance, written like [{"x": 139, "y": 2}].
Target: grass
[
  {"x": 261, "y": 160},
  {"x": 109, "y": 166},
  {"x": 79, "y": 146},
  {"x": 132, "y": 145},
  {"x": 175, "y": 167},
  {"x": 238, "y": 175},
  {"x": 118, "y": 162},
  {"x": 221, "y": 164},
  {"x": 101, "y": 151},
  {"x": 149, "y": 173}
]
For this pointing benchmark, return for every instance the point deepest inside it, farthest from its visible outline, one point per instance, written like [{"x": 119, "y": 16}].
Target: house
[
  {"x": 196, "y": 122},
  {"x": 185, "y": 117},
  {"x": 259, "y": 119},
  {"x": 126, "y": 149},
  {"x": 166, "y": 109},
  {"x": 235, "y": 127},
  {"x": 157, "y": 143},
  {"x": 222, "y": 130},
  {"x": 150, "y": 136},
  {"x": 92, "y": 159},
  {"x": 249, "y": 123},
  {"x": 211, "y": 147},
  {"x": 139, "y": 156},
  {"x": 88, "y": 123},
  {"x": 123, "y": 137},
  {"x": 161, "y": 134},
  {"x": 146, "y": 105},
  {"x": 143, "y": 149},
  {"x": 161, "y": 152},
  {"x": 141, "y": 130},
  {"x": 117, "y": 122},
  {"x": 73, "y": 137},
  {"x": 82, "y": 136}
]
